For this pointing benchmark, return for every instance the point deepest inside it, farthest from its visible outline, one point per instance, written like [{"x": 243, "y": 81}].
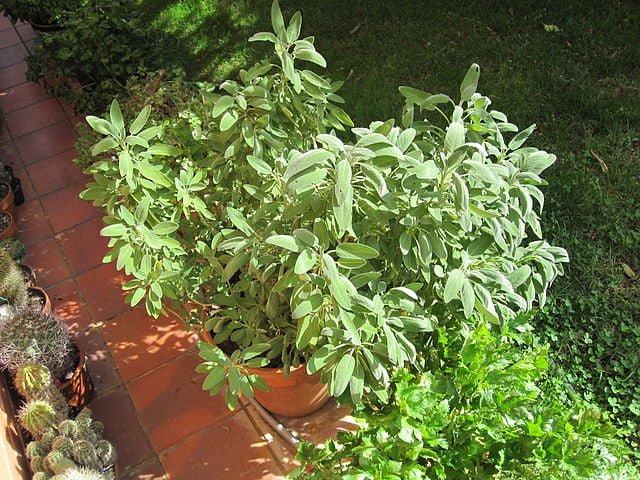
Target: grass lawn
[{"x": 571, "y": 67}]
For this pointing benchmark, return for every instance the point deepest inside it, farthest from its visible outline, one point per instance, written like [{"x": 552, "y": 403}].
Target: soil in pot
[
  {"x": 38, "y": 298},
  {"x": 8, "y": 226},
  {"x": 7, "y": 199},
  {"x": 296, "y": 395}
]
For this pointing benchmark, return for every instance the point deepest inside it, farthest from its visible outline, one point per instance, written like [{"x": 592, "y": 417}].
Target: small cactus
[
  {"x": 84, "y": 431},
  {"x": 106, "y": 452},
  {"x": 41, "y": 476},
  {"x": 37, "y": 465},
  {"x": 58, "y": 463},
  {"x": 36, "y": 416},
  {"x": 36, "y": 449},
  {"x": 48, "y": 437},
  {"x": 84, "y": 453},
  {"x": 98, "y": 428},
  {"x": 13, "y": 289},
  {"x": 68, "y": 428},
  {"x": 34, "y": 382},
  {"x": 63, "y": 445}
]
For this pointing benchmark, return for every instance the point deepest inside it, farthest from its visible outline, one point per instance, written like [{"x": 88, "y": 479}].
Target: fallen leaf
[
  {"x": 628, "y": 271},
  {"x": 603, "y": 164}
]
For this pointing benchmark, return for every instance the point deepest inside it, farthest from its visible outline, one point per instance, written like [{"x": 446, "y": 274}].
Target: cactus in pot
[
  {"x": 36, "y": 416},
  {"x": 34, "y": 382},
  {"x": 36, "y": 337},
  {"x": 72, "y": 449},
  {"x": 13, "y": 290}
]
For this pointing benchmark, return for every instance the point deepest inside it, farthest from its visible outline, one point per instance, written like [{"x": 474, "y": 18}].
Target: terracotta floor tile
[
  {"x": 101, "y": 287},
  {"x": 5, "y": 23},
  {"x": 103, "y": 371},
  {"x": 83, "y": 246},
  {"x": 46, "y": 142},
  {"x": 123, "y": 428},
  {"x": 149, "y": 470},
  {"x": 140, "y": 343},
  {"x": 68, "y": 301},
  {"x": 66, "y": 209},
  {"x": 21, "y": 96},
  {"x": 12, "y": 55},
  {"x": 4, "y": 133},
  {"x": 34, "y": 117},
  {"x": 55, "y": 172},
  {"x": 228, "y": 450},
  {"x": 8, "y": 37},
  {"x": 10, "y": 155},
  {"x": 13, "y": 75},
  {"x": 33, "y": 225},
  {"x": 171, "y": 403},
  {"x": 26, "y": 32},
  {"x": 46, "y": 258}
]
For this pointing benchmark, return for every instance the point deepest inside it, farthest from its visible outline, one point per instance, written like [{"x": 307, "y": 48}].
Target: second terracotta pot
[
  {"x": 78, "y": 389},
  {"x": 296, "y": 395}
]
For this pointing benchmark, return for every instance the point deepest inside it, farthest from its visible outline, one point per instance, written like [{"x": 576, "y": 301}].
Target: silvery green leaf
[
  {"x": 454, "y": 137},
  {"x": 521, "y": 137},
  {"x": 343, "y": 189},
  {"x": 454, "y": 283},
  {"x": 469, "y": 83},
  {"x": 306, "y": 160}
]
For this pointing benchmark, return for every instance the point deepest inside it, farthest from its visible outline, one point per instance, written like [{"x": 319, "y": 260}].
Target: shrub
[{"x": 480, "y": 414}]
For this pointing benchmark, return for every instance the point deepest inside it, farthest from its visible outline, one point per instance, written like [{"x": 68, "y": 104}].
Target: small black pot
[
  {"x": 45, "y": 27},
  {"x": 16, "y": 186}
]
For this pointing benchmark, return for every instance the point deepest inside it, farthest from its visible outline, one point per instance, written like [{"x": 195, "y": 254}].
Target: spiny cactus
[
  {"x": 13, "y": 290},
  {"x": 48, "y": 437},
  {"x": 34, "y": 337},
  {"x": 36, "y": 449},
  {"x": 106, "y": 452},
  {"x": 34, "y": 382},
  {"x": 37, "y": 465},
  {"x": 76, "y": 448},
  {"x": 85, "y": 454},
  {"x": 15, "y": 248},
  {"x": 57, "y": 463},
  {"x": 41, "y": 476},
  {"x": 68, "y": 428},
  {"x": 36, "y": 416},
  {"x": 63, "y": 445},
  {"x": 84, "y": 474}
]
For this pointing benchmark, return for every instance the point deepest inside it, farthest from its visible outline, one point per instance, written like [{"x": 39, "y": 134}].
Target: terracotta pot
[
  {"x": 78, "y": 389},
  {"x": 11, "y": 229},
  {"x": 7, "y": 203},
  {"x": 297, "y": 395},
  {"x": 46, "y": 308}
]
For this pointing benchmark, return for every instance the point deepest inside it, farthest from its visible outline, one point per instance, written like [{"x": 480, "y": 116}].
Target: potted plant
[
  {"x": 292, "y": 245},
  {"x": 6, "y": 175},
  {"x": 7, "y": 203},
  {"x": 27, "y": 335},
  {"x": 64, "y": 447},
  {"x": 44, "y": 15}
]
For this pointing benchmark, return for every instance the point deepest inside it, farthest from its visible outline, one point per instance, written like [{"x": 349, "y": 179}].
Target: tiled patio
[{"x": 147, "y": 392}]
